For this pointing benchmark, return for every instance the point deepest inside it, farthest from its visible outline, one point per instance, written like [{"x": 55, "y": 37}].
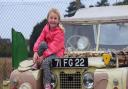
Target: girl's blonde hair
[{"x": 53, "y": 10}]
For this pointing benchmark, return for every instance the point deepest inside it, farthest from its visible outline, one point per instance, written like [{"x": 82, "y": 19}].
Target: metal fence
[{"x": 23, "y": 16}]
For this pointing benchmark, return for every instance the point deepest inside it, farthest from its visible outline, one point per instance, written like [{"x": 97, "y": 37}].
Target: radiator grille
[{"x": 70, "y": 81}]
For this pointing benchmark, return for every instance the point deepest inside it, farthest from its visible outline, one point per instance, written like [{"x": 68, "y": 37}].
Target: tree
[
  {"x": 125, "y": 2},
  {"x": 73, "y": 7},
  {"x": 91, "y": 6},
  {"x": 35, "y": 34},
  {"x": 5, "y": 49},
  {"x": 102, "y": 3}
]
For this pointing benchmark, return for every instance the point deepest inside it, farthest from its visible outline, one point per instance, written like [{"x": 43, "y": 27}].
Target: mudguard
[{"x": 24, "y": 76}]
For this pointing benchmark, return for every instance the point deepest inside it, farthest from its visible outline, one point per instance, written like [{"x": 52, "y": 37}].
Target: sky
[{"x": 23, "y": 15}]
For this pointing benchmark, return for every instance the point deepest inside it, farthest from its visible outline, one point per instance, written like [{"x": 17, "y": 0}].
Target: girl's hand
[
  {"x": 41, "y": 58},
  {"x": 35, "y": 57}
]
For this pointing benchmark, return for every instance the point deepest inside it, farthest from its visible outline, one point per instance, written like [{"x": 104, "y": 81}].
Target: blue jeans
[{"x": 46, "y": 64}]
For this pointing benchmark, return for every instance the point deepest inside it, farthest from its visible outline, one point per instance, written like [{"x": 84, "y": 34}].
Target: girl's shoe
[
  {"x": 48, "y": 86},
  {"x": 35, "y": 67}
]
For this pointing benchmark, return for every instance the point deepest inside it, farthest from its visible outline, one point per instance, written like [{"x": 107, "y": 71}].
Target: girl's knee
[
  {"x": 45, "y": 64},
  {"x": 44, "y": 45}
]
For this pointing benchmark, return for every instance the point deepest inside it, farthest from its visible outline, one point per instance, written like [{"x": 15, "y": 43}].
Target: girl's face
[{"x": 53, "y": 20}]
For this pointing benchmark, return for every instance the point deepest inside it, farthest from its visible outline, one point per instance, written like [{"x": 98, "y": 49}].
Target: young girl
[{"x": 49, "y": 45}]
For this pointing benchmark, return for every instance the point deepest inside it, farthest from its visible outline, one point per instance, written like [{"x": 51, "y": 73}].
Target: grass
[{"x": 5, "y": 69}]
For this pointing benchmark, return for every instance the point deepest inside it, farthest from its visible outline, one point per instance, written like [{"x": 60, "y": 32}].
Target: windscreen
[
  {"x": 113, "y": 36},
  {"x": 79, "y": 37},
  {"x": 84, "y": 37}
]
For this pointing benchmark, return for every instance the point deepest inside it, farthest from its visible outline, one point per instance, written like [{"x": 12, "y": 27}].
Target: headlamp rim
[{"x": 92, "y": 74}]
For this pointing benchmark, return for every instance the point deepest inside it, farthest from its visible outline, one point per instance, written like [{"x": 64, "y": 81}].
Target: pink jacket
[{"x": 54, "y": 39}]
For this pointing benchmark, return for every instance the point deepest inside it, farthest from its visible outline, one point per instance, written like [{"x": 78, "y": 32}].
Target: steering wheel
[{"x": 77, "y": 42}]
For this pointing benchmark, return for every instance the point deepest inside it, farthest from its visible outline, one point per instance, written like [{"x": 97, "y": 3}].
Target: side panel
[
  {"x": 111, "y": 78},
  {"x": 100, "y": 80}
]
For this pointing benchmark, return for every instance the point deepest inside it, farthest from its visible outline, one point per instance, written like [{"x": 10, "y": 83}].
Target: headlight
[
  {"x": 25, "y": 85},
  {"x": 54, "y": 80},
  {"x": 88, "y": 80}
]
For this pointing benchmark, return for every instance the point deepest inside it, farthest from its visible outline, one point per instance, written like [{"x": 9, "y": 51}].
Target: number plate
[{"x": 70, "y": 62}]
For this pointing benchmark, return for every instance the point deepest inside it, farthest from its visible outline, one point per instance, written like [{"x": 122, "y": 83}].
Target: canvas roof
[{"x": 97, "y": 15}]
